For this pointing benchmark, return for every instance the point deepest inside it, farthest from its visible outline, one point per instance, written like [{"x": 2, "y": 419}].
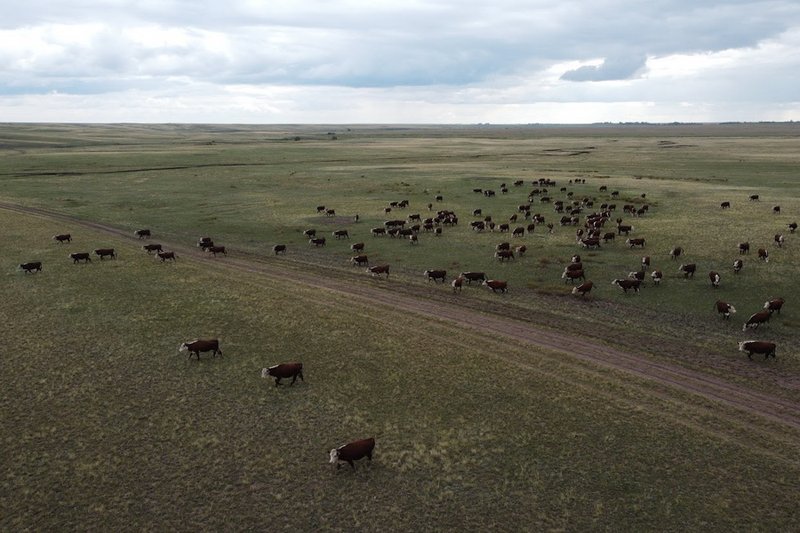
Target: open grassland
[{"x": 106, "y": 426}]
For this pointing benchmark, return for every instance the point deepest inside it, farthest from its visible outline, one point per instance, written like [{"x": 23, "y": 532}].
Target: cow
[
  {"x": 279, "y": 249},
  {"x": 142, "y": 233},
  {"x": 725, "y": 309},
  {"x": 377, "y": 231},
  {"x": 357, "y": 247},
  {"x": 496, "y": 285},
  {"x": 164, "y": 256},
  {"x": 779, "y": 240},
  {"x": 774, "y": 305},
  {"x": 751, "y": 347},
  {"x": 152, "y": 248},
  {"x": 413, "y": 239},
  {"x": 638, "y": 275},
  {"x": 626, "y": 284},
  {"x": 676, "y": 252},
  {"x": 714, "y": 277},
  {"x": 439, "y": 198},
  {"x": 387, "y": 210},
  {"x": 503, "y": 228},
  {"x": 310, "y": 233},
  {"x": 744, "y": 248},
  {"x": 477, "y": 212},
  {"x": 105, "y": 252},
  {"x": 521, "y": 249},
  {"x": 30, "y": 267},
  {"x": 477, "y": 191},
  {"x": 756, "y": 319},
  {"x": 62, "y": 238},
  {"x": 352, "y": 451},
  {"x": 608, "y": 236},
  {"x": 763, "y": 254},
  {"x": 519, "y": 231},
  {"x": 574, "y": 266},
  {"x": 218, "y": 250},
  {"x": 340, "y": 234},
  {"x": 320, "y": 208},
  {"x": 645, "y": 262},
  {"x": 80, "y": 256},
  {"x": 583, "y": 289},
  {"x": 488, "y": 193},
  {"x": 530, "y": 228},
  {"x": 473, "y": 276},
  {"x": 737, "y": 266},
  {"x": 457, "y": 284},
  {"x": 624, "y": 228},
  {"x": 590, "y": 243},
  {"x": 503, "y": 246},
  {"x": 435, "y": 275},
  {"x": 200, "y": 345},
  {"x": 320, "y": 241},
  {"x": 359, "y": 260},
  {"x": 330, "y": 212},
  {"x": 688, "y": 270},
  {"x": 572, "y": 275},
  {"x": 725, "y": 205},
  {"x": 414, "y": 216},
  {"x": 378, "y": 270},
  {"x": 754, "y": 197},
  {"x": 792, "y": 227},
  {"x": 284, "y": 371},
  {"x": 656, "y": 276},
  {"x": 204, "y": 242},
  {"x": 437, "y": 232},
  {"x": 776, "y": 210},
  {"x": 504, "y": 255},
  {"x": 635, "y": 242}
]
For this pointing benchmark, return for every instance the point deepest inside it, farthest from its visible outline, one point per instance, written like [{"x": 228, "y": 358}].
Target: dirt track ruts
[{"x": 764, "y": 405}]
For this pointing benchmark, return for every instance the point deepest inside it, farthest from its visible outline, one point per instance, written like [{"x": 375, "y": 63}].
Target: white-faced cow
[
  {"x": 645, "y": 262},
  {"x": 715, "y": 279},
  {"x": 352, "y": 452},
  {"x": 779, "y": 240},
  {"x": 725, "y": 309},
  {"x": 142, "y": 233},
  {"x": 457, "y": 284},
  {"x": 688, "y": 270},
  {"x": 744, "y": 248},
  {"x": 496, "y": 285},
  {"x": 359, "y": 260},
  {"x": 201, "y": 345},
  {"x": 435, "y": 275},
  {"x": 473, "y": 276},
  {"x": 638, "y": 275},
  {"x": 751, "y": 347},
  {"x": 319, "y": 241},
  {"x": 676, "y": 252},
  {"x": 340, "y": 234},
  {"x": 756, "y": 319},
  {"x": 572, "y": 275},
  {"x": 774, "y": 305},
  {"x": 166, "y": 256},
  {"x": 590, "y": 243},
  {"x": 737, "y": 265},
  {"x": 357, "y": 247},
  {"x": 627, "y": 284},
  {"x": 520, "y": 250},
  {"x": 152, "y": 248},
  {"x": 284, "y": 371},
  {"x": 763, "y": 254},
  {"x": 583, "y": 289},
  {"x": 279, "y": 249},
  {"x": 378, "y": 270},
  {"x": 792, "y": 227},
  {"x": 102, "y": 253},
  {"x": 635, "y": 242},
  {"x": 656, "y": 276},
  {"x": 31, "y": 267},
  {"x": 77, "y": 257},
  {"x": 62, "y": 238},
  {"x": 217, "y": 250},
  {"x": 376, "y": 232}
]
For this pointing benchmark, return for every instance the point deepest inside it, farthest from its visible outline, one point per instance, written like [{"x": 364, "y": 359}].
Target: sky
[{"x": 413, "y": 61}]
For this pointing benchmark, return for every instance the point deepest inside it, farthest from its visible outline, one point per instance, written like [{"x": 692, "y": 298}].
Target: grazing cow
[
  {"x": 473, "y": 276},
  {"x": 645, "y": 262},
  {"x": 624, "y": 228},
  {"x": 503, "y": 246},
  {"x": 574, "y": 266},
  {"x": 387, "y": 210},
  {"x": 64, "y": 237},
  {"x": 792, "y": 227},
  {"x": 676, "y": 252},
  {"x": 763, "y": 254},
  {"x": 359, "y": 260},
  {"x": 779, "y": 240},
  {"x": 583, "y": 289},
  {"x": 530, "y": 228},
  {"x": 142, "y": 233},
  {"x": 357, "y": 247},
  {"x": 774, "y": 305},
  {"x": 751, "y": 347},
  {"x": 518, "y": 183},
  {"x": 201, "y": 345},
  {"x": 152, "y": 248},
  {"x": 439, "y": 198},
  {"x": 320, "y": 208},
  {"x": 218, "y": 250},
  {"x": 757, "y": 319},
  {"x": 105, "y": 252},
  {"x": 725, "y": 309},
  {"x": 310, "y": 233},
  {"x": 608, "y": 236},
  {"x": 753, "y": 197},
  {"x": 635, "y": 242},
  {"x": 317, "y": 242},
  {"x": 521, "y": 249},
  {"x": 414, "y": 216},
  {"x": 714, "y": 277},
  {"x": 457, "y": 284},
  {"x": 378, "y": 231},
  {"x": 164, "y": 256},
  {"x": 413, "y": 239},
  {"x": 352, "y": 452},
  {"x": 477, "y": 212},
  {"x": 279, "y": 249},
  {"x": 638, "y": 275},
  {"x": 330, "y": 212},
  {"x": 284, "y": 370},
  {"x": 572, "y": 275},
  {"x": 590, "y": 243},
  {"x": 29, "y": 268},
  {"x": 435, "y": 275},
  {"x": 725, "y": 205},
  {"x": 340, "y": 234},
  {"x": 776, "y": 210},
  {"x": 496, "y": 285},
  {"x": 504, "y": 255},
  {"x": 656, "y": 276},
  {"x": 80, "y": 256},
  {"x": 626, "y": 284},
  {"x": 477, "y": 191},
  {"x": 688, "y": 270},
  {"x": 378, "y": 270},
  {"x": 437, "y": 232},
  {"x": 487, "y": 193},
  {"x": 204, "y": 242},
  {"x": 737, "y": 265},
  {"x": 503, "y": 228},
  {"x": 744, "y": 248}
]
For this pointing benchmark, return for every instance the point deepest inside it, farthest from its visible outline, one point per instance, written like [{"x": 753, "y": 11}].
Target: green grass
[{"x": 106, "y": 426}]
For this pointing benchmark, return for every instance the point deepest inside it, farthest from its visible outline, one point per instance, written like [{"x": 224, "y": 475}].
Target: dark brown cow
[
  {"x": 378, "y": 270},
  {"x": 142, "y": 233},
  {"x": 572, "y": 275},
  {"x": 320, "y": 208},
  {"x": 413, "y": 239},
  {"x": 609, "y": 236},
  {"x": 439, "y": 198},
  {"x": 457, "y": 284},
  {"x": 504, "y": 255},
  {"x": 725, "y": 309},
  {"x": 519, "y": 231},
  {"x": 792, "y": 227},
  {"x": 496, "y": 285},
  {"x": 776, "y": 210},
  {"x": 763, "y": 254},
  {"x": 520, "y": 250},
  {"x": 30, "y": 267},
  {"x": 435, "y": 275},
  {"x": 590, "y": 243},
  {"x": 583, "y": 289},
  {"x": 574, "y": 266},
  {"x": 635, "y": 242},
  {"x": 626, "y": 284},
  {"x": 378, "y": 231},
  {"x": 340, "y": 234},
  {"x": 779, "y": 240},
  {"x": 284, "y": 371},
  {"x": 744, "y": 248},
  {"x": 754, "y": 197},
  {"x": 205, "y": 245},
  {"x": 105, "y": 252},
  {"x": 688, "y": 270},
  {"x": 737, "y": 265},
  {"x": 549, "y": 227},
  {"x": 357, "y": 247},
  {"x": 80, "y": 256},
  {"x": 774, "y": 305},
  {"x": 166, "y": 256},
  {"x": 530, "y": 228},
  {"x": 503, "y": 246},
  {"x": 715, "y": 278},
  {"x": 656, "y": 276},
  {"x": 64, "y": 237},
  {"x": 309, "y": 233},
  {"x": 638, "y": 275},
  {"x": 217, "y": 250},
  {"x": 473, "y": 276},
  {"x": 151, "y": 248},
  {"x": 352, "y": 452},
  {"x": 645, "y": 262},
  {"x": 756, "y": 319},
  {"x": 725, "y": 205},
  {"x": 201, "y": 345},
  {"x": 359, "y": 260},
  {"x": 624, "y": 228},
  {"x": 320, "y": 241},
  {"x": 279, "y": 249},
  {"x": 330, "y": 212},
  {"x": 676, "y": 252},
  {"x": 751, "y": 347}
]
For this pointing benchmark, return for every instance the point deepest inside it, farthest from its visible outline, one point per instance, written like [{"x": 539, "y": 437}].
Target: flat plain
[{"x": 110, "y": 427}]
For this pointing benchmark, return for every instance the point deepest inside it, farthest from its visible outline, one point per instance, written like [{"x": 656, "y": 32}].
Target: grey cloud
[{"x": 618, "y": 68}]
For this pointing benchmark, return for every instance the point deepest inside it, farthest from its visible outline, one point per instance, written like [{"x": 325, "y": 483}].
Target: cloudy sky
[{"x": 415, "y": 61}]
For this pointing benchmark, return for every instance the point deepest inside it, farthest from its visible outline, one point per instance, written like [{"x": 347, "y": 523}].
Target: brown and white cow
[
  {"x": 152, "y": 248},
  {"x": 638, "y": 275},
  {"x": 31, "y": 266},
  {"x": 590, "y": 243},
  {"x": 166, "y": 256},
  {"x": 676, "y": 252},
  {"x": 576, "y": 258},
  {"x": 751, "y": 347},
  {"x": 62, "y": 238},
  {"x": 357, "y": 247},
  {"x": 583, "y": 289},
  {"x": 725, "y": 309},
  {"x": 205, "y": 243},
  {"x": 105, "y": 252},
  {"x": 645, "y": 262},
  {"x": 656, "y": 276},
  {"x": 779, "y": 240},
  {"x": 496, "y": 285},
  {"x": 688, "y": 270},
  {"x": 378, "y": 270},
  {"x": 142, "y": 233},
  {"x": 217, "y": 250},
  {"x": 435, "y": 275},
  {"x": 738, "y": 264},
  {"x": 504, "y": 255},
  {"x": 352, "y": 451},
  {"x": 635, "y": 242},
  {"x": 340, "y": 234},
  {"x": 279, "y": 249},
  {"x": 792, "y": 227},
  {"x": 756, "y": 319},
  {"x": 377, "y": 231},
  {"x": 457, "y": 284},
  {"x": 774, "y": 305},
  {"x": 359, "y": 260},
  {"x": 572, "y": 275},
  {"x": 320, "y": 241},
  {"x": 201, "y": 345},
  {"x": 473, "y": 276},
  {"x": 715, "y": 279},
  {"x": 520, "y": 250},
  {"x": 744, "y": 248},
  {"x": 330, "y": 212},
  {"x": 624, "y": 228},
  {"x": 776, "y": 210},
  {"x": 763, "y": 254},
  {"x": 626, "y": 284},
  {"x": 284, "y": 371},
  {"x": 80, "y": 256}
]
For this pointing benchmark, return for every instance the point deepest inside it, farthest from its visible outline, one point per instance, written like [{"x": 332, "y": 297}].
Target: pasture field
[{"x": 106, "y": 426}]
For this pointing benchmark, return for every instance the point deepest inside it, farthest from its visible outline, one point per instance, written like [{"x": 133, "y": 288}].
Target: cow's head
[
  {"x": 334, "y": 456},
  {"x": 743, "y": 345},
  {"x": 265, "y": 372},
  {"x": 183, "y": 347}
]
